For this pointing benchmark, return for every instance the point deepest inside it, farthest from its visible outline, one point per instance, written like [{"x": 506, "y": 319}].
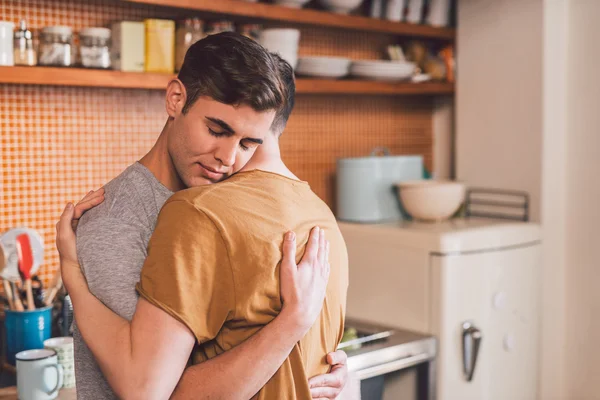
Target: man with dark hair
[{"x": 229, "y": 95}]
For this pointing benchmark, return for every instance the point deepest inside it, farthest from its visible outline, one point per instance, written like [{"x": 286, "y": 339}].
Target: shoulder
[
  {"x": 128, "y": 200},
  {"x": 198, "y": 201}
]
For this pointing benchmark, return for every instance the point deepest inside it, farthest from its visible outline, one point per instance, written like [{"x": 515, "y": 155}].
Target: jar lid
[
  {"x": 7, "y": 24},
  {"x": 102, "y": 33},
  {"x": 58, "y": 30}
]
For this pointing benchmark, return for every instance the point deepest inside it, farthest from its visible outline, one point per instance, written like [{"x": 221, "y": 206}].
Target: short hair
[
  {"x": 286, "y": 74},
  {"x": 235, "y": 70}
]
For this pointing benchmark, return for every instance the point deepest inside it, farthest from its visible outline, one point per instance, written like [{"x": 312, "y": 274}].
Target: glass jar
[
  {"x": 183, "y": 41},
  {"x": 23, "y": 46},
  {"x": 251, "y": 31},
  {"x": 188, "y": 33},
  {"x": 94, "y": 48},
  {"x": 56, "y": 46}
]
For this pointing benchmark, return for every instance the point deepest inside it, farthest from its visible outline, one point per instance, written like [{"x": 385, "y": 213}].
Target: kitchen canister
[
  {"x": 366, "y": 186},
  {"x": 26, "y": 330},
  {"x": 56, "y": 46},
  {"x": 6, "y": 43},
  {"x": 94, "y": 48}
]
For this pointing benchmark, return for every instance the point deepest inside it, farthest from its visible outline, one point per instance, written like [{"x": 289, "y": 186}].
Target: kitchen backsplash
[{"x": 57, "y": 143}]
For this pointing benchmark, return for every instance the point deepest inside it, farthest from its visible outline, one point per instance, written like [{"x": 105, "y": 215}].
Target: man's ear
[{"x": 176, "y": 98}]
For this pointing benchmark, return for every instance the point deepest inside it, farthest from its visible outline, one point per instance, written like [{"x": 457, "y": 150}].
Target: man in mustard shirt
[{"x": 104, "y": 328}]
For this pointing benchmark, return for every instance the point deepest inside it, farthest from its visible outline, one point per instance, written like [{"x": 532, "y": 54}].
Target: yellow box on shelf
[{"x": 160, "y": 46}]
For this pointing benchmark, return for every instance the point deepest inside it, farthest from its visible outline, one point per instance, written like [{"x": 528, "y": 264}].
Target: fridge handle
[{"x": 471, "y": 340}]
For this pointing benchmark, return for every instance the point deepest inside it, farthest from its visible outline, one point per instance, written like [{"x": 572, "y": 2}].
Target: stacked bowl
[
  {"x": 341, "y": 6},
  {"x": 292, "y": 3},
  {"x": 323, "y": 67},
  {"x": 431, "y": 200},
  {"x": 283, "y": 42},
  {"x": 382, "y": 70}
]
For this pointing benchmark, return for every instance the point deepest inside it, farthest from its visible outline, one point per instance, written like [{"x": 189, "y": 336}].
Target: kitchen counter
[
  {"x": 380, "y": 350},
  {"x": 10, "y": 393}
]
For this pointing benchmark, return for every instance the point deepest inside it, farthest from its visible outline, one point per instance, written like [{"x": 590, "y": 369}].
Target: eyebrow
[
  {"x": 225, "y": 126},
  {"x": 254, "y": 140}
]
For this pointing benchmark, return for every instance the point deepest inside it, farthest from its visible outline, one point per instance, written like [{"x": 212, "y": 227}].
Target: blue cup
[{"x": 26, "y": 330}]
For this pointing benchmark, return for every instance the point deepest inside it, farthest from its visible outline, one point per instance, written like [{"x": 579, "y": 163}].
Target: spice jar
[
  {"x": 251, "y": 31},
  {"x": 188, "y": 33},
  {"x": 23, "y": 44},
  {"x": 183, "y": 41},
  {"x": 216, "y": 27},
  {"x": 94, "y": 47},
  {"x": 56, "y": 46}
]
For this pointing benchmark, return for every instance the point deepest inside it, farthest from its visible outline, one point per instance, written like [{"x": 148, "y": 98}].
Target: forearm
[
  {"x": 107, "y": 335},
  {"x": 251, "y": 363}
]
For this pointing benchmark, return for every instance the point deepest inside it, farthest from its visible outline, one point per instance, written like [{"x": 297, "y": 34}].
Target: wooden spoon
[
  {"x": 17, "y": 298},
  {"x": 53, "y": 288},
  {"x": 7, "y": 289}
]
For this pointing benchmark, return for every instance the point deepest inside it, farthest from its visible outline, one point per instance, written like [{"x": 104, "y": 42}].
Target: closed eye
[
  {"x": 217, "y": 134},
  {"x": 243, "y": 146}
]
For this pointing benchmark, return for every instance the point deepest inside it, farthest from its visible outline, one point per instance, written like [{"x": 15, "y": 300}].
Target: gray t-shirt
[{"x": 111, "y": 244}]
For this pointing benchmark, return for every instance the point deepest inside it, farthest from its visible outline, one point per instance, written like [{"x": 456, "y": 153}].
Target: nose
[{"x": 226, "y": 153}]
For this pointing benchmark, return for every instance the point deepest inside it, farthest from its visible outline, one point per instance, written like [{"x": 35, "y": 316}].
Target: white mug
[
  {"x": 6, "y": 43},
  {"x": 65, "y": 353},
  {"x": 39, "y": 377}
]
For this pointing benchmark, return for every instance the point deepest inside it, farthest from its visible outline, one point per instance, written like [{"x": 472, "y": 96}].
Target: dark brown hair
[
  {"x": 286, "y": 74},
  {"x": 234, "y": 70}
]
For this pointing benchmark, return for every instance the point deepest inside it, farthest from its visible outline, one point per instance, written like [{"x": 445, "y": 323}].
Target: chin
[{"x": 197, "y": 181}]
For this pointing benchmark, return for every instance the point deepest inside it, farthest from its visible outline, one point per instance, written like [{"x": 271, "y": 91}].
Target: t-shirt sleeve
[
  {"x": 187, "y": 273},
  {"x": 110, "y": 253}
]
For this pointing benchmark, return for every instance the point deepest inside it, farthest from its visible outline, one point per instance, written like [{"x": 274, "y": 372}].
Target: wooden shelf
[
  {"x": 344, "y": 86},
  {"x": 82, "y": 77},
  {"x": 115, "y": 79},
  {"x": 241, "y": 9}
]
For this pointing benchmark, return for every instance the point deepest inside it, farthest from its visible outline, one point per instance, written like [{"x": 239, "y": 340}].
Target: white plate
[
  {"x": 382, "y": 63},
  {"x": 395, "y": 75},
  {"x": 319, "y": 70},
  {"x": 380, "y": 71},
  {"x": 385, "y": 69},
  {"x": 325, "y": 67},
  {"x": 8, "y": 242},
  {"x": 379, "y": 75},
  {"x": 292, "y": 3},
  {"x": 325, "y": 60},
  {"x": 401, "y": 71},
  {"x": 398, "y": 68},
  {"x": 322, "y": 73}
]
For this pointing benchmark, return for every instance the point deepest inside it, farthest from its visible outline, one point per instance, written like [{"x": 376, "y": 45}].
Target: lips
[
  {"x": 211, "y": 173},
  {"x": 211, "y": 169}
]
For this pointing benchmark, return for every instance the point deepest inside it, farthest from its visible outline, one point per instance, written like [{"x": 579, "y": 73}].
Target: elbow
[
  {"x": 139, "y": 389},
  {"x": 137, "y": 394}
]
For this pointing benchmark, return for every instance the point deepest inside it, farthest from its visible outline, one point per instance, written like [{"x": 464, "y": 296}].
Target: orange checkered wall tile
[{"x": 57, "y": 143}]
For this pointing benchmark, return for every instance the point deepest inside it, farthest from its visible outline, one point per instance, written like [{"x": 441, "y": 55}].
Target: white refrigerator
[{"x": 474, "y": 284}]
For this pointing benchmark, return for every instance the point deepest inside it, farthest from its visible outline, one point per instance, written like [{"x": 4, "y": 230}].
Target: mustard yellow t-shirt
[{"x": 213, "y": 263}]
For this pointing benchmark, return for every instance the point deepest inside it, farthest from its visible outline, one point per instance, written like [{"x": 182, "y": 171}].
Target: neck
[
  {"x": 268, "y": 158},
  {"x": 159, "y": 162}
]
